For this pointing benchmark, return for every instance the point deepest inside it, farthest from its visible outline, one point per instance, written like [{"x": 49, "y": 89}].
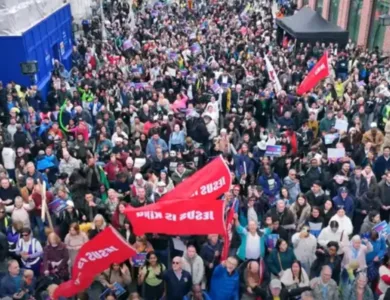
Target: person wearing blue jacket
[
  {"x": 177, "y": 139},
  {"x": 271, "y": 184},
  {"x": 154, "y": 142},
  {"x": 343, "y": 199},
  {"x": 12, "y": 282},
  {"x": 225, "y": 282},
  {"x": 244, "y": 164},
  {"x": 379, "y": 249}
]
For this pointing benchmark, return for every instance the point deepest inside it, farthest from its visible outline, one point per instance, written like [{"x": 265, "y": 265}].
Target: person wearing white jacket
[
  {"x": 344, "y": 221},
  {"x": 305, "y": 245},
  {"x": 295, "y": 277},
  {"x": 211, "y": 126},
  {"x": 333, "y": 233},
  {"x": 9, "y": 156},
  {"x": 193, "y": 264}
]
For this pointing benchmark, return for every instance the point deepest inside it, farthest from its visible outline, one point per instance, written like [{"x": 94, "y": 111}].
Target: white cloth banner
[{"x": 272, "y": 75}]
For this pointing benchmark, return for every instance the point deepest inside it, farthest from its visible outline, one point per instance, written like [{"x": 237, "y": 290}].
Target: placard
[
  {"x": 336, "y": 153},
  {"x": 57, "y": 206},
  {"x": 341, "y": 125},
  {"x": 273, "y": 150}
]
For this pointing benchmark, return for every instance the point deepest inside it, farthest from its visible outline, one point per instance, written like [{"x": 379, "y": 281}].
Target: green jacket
[
  {"x": 86, "y": 95},
  {"x": 276, "y": 265},
  {"x": 241, "y": 253},
  {"x": 326, "y": 124}
]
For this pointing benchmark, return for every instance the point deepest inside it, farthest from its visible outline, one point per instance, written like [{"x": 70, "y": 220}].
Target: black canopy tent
[{"x": 308, "y": 26}]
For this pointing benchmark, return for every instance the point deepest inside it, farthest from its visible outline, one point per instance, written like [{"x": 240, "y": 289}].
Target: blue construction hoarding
[{"x": 46, "y": 41}]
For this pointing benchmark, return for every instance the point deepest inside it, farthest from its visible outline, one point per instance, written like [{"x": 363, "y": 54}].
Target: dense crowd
[{"x": 166, "y": 90}]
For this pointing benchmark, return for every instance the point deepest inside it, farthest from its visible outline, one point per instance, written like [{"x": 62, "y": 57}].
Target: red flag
[
  {"x": 179, "y": 217},
  {"x": 212, "y": 181},
  {"x": 94, "y": 257},
  {"x": 319, "y": 72},
  {"x": 228, "y": 230}
]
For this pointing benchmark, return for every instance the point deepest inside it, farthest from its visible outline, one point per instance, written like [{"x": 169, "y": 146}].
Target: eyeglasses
[
  {"x": 175, "y": 262},
  {"x": 26, "y": 234}
]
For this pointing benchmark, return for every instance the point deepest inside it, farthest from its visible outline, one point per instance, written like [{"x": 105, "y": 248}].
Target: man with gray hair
[
  {"x": 324, "y": 287},
  {"x": 308, "y": 295}
]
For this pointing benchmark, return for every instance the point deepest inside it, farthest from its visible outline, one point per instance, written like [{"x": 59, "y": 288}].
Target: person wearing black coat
[
  {"x": 316, "y": 196},
  {"x": 314, "y": 173},
  {"x": 211, "y": 254},
  {"x": 327, "y": 257},
  {"x": 283, "y": 214},
  {"x": 363, "y": 205},
  {"x": 357, "y": 179}
]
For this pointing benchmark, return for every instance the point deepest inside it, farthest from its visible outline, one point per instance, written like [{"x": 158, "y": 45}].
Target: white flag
[{"x": 272, "y": 75}]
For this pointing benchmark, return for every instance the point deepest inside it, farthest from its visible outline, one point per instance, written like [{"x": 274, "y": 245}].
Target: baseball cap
[
  {"x": 138, "y": 176},
  {"x": 275, "y": 284}
]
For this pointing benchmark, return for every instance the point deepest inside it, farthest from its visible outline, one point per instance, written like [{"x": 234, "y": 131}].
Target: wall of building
[{"x": 367, "y": 14}]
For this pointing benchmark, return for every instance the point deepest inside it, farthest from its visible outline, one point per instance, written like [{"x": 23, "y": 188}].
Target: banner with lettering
[
  {"x": 94, "y": 257},
  {"x": 319, "y": 72},
  {"x": 212, "y": 181},
  {"x": 179, "y": 217}
]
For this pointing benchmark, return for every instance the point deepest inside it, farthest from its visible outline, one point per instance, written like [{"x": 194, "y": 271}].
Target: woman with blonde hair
[
  {"x": 113, "y": 201},
  {"x": 74, "y": 240},
  {"x": 56, "y": 257},
  {"x": 98, "y": 225}
]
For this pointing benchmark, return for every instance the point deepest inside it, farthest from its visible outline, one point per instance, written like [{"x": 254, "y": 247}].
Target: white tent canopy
[{"x": 17, "y": 16}]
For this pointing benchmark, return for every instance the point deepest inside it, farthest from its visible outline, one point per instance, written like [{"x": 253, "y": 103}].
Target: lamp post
[{"x": 384, "y": 20}]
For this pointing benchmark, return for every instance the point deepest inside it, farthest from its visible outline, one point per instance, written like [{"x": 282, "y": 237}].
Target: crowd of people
[{"x": 155, "y": 95}]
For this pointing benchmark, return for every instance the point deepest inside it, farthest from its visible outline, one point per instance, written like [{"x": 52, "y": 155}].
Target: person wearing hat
[
  {"x": 160, "y": 191},
  {"x": 343, "y": 199}
]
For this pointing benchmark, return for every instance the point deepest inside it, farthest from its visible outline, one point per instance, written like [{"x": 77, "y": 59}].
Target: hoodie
[
  {"x": 367, "y": 225},
  {"x": 327, "y": 235},
  {"x": 195, "y": 267},
  {"x": 346, "y": 203}
]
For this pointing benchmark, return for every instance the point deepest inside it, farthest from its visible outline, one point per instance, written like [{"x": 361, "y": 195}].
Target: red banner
[
  {"x": 179, "y": 217},
  {"x": 319, "y": 72},
  {"x": 94, "y": 257},
  {"x": 212, "y": 181},
  {"x": 228, "y": 232}
]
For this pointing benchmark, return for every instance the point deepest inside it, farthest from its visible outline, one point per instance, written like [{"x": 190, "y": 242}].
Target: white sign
[
  {"x": 336, "y": 153},
  {"x": 341, "y": 125}
]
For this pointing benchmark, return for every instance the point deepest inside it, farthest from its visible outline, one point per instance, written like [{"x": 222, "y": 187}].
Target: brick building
[{"x": 359, "y": 17}]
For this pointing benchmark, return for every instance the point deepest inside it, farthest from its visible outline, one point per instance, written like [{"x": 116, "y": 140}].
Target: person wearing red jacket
[
  {"x": 119, "y": 218},
  {"x": 36, "y": 196},
  {"x": 113, "y": 167},
  {"x": 81, "y": 128}
]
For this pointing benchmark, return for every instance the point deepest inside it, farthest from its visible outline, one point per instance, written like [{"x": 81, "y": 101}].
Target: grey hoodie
[{"x": 367, "y": 225}]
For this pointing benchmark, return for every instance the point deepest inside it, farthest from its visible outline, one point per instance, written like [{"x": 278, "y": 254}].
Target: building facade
[{"x": 359, "y": 17}]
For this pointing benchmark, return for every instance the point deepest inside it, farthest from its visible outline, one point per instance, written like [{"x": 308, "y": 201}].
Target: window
[
  {"x": 377, "y": 31},
  {"x": 334, "y": 11},
  {"x": 320, "y": 4},
  {"x": 355, "y": 13}
]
